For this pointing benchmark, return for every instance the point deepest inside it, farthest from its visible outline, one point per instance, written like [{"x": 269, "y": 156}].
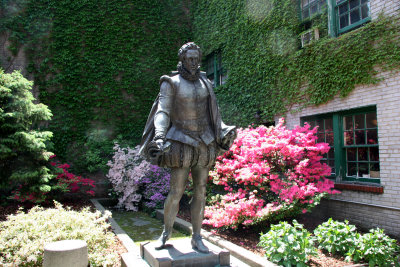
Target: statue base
[{"x": 180, "y": 253}]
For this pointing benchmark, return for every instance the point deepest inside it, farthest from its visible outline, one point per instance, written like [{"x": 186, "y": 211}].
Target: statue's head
[{"x": 190, "y": 56}]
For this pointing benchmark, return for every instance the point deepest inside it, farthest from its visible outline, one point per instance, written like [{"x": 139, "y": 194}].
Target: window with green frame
[
  {"x": 215, "y": 70},
  {"x": 353, "y": 138},
  {"x": 326, "y": 135},
  {"x": 309, "y": 8},
  {"x": 349, "y": 14},
  {"x": 344, "y": 15}
]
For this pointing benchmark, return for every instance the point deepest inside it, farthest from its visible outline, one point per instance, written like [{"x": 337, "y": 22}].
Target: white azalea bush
[{"x": 24, "y": 235}]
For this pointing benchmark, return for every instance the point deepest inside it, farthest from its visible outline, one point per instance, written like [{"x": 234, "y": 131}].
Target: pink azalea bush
[
  {"x": 267, "y": 174},
  {"x": 135, "y": 180}
]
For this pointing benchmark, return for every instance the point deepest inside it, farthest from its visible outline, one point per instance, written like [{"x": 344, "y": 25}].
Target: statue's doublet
[
  {"x": 188, "y": 110},
  {"x": 194, "y": 122}
]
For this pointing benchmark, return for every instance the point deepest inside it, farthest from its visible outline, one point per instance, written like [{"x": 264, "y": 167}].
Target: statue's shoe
[
  {"x": 160, "y": 243},
  {"x": 197, "y": 243}
]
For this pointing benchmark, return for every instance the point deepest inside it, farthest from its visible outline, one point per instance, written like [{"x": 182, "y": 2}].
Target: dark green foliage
[
  {"x": 98, "y": 65},
  {"x": 269, "y": 72},
  {"x": 23, "y": 155},
  {"x": 93, "y": 152}
]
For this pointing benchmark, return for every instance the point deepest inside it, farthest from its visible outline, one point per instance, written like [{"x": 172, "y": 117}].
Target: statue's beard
[{"x": 187, "y": 74}]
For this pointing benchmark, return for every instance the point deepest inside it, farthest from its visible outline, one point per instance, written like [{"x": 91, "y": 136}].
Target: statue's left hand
[{"x": 163, "y": 146}]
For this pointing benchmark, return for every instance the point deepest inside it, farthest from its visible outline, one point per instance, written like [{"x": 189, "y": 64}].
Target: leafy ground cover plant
[
  {"x": 268, "y": 173},
  {"x": 24, "y": 235},
  {"x": 288, "y": 244},
  {"x": 134, "y": 180},
  {"x": 335, "y": 236},
  {"x": 376, "y": 248}
]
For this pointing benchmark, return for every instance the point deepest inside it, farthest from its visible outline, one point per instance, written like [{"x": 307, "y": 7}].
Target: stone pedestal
[
  {"x": 180, "y": 253},
  {"x": 66, "y": 253}
]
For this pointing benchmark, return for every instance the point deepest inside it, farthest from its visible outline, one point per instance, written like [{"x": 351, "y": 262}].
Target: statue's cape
[{"x": 219, "y": 128}]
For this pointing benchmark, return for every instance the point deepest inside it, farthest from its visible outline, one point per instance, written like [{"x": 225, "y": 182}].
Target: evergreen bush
[{"x": 23, "y": 154}]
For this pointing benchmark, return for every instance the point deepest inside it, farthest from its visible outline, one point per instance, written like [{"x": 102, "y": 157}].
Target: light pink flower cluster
[
  {"x": 127, "y": 169},
  {"x": 268, "y": 171}
]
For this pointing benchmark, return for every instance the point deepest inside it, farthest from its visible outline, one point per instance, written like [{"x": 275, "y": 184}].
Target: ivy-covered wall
[
  {"x": 96, "y": 64},
  {"x": 268, "y": 71}
]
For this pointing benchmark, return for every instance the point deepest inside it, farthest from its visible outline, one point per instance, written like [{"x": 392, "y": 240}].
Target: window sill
[
  {"x": 359, "y": 187},
  {"x": 354, "y": 26}
]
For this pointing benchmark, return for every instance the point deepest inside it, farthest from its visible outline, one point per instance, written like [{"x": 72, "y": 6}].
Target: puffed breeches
[{"x": 185, "y": 156}]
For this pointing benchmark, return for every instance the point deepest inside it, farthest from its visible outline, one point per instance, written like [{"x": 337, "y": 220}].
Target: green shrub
[
  {"x": 23, "y": 153},
  {"x": 335, "y": 236},
  {"x": 288, "y": 245},
  {"x": 91, "y": 154},
  {"x": 375, "y": 248},
  {"x": 24, "y": 235}
]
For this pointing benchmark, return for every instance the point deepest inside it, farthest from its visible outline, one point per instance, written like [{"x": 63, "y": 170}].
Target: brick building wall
[
  {"x": 387, "y": 7},
  {"x": 365, "y": 209}
]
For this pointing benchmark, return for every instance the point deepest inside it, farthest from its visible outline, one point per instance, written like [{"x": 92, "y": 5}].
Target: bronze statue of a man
[{"x": 185, "y": 132}]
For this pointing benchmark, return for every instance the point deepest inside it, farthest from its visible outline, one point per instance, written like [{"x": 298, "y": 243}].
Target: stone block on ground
[{"x": 179, "y": 253}]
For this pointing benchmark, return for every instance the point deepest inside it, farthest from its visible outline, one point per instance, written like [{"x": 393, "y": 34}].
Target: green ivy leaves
[
  {"x": 268, "y": 72},
  {"x": 97, "y": 63}
]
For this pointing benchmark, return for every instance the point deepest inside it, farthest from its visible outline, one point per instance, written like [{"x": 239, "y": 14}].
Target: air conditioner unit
[{"x": 309, "y": 36}]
